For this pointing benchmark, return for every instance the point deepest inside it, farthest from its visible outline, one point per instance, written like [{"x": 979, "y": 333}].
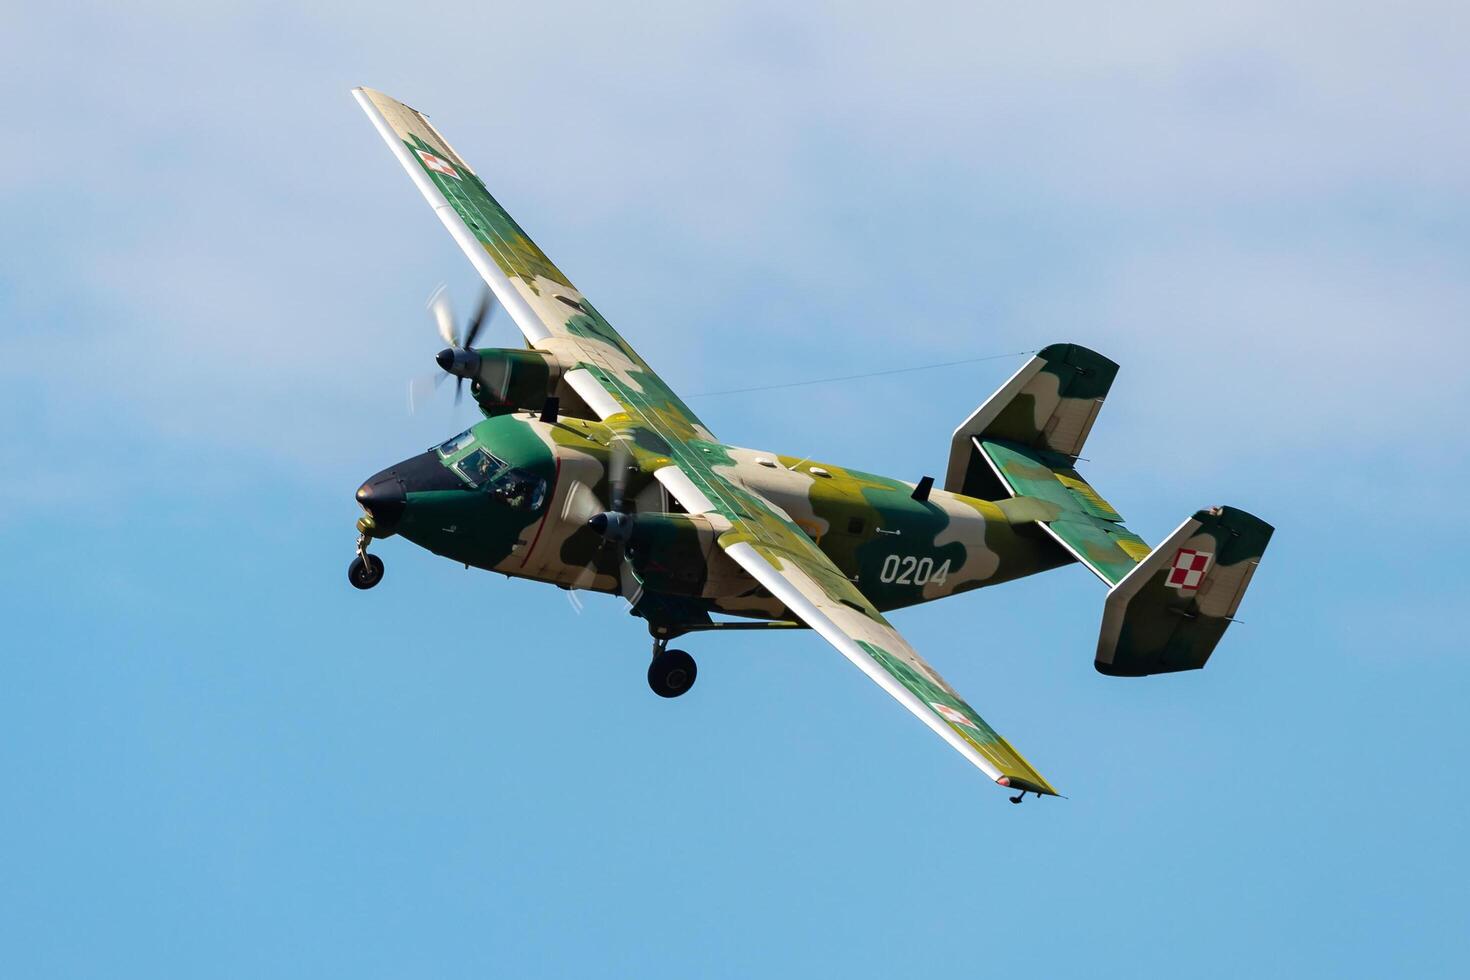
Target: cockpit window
[
  {"x": 480, "y": 468},
  {"x": 448, "y": 449},
  {"x": 520, "y": 489}
]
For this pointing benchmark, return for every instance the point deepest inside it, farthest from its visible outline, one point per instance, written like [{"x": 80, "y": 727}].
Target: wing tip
[{"x": 1042, "y": 788}]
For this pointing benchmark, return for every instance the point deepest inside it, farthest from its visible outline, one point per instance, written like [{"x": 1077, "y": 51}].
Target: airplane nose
[{"x": 383, "y": 496}]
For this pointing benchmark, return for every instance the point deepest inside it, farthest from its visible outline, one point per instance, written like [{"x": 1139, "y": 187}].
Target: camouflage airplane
[{"x": 588, "y": 472}]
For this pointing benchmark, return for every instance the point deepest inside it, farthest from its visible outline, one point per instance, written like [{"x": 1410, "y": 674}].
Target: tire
[
  {"x": 672, "y": 673},
  {"x": 365, "y": 576}
]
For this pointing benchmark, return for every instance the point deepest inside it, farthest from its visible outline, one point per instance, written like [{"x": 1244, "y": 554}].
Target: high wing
[
  {"x": 625, "y": 392},
  {"x": 553, "y": 314}
]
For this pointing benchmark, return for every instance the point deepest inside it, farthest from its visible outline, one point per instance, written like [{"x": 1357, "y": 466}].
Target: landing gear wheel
[
  {"x": 671, "y": 673},
  {"x": 365, "y": 574}
]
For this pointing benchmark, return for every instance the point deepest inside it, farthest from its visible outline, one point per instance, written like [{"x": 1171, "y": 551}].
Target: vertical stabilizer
[
  {"x": 1049, "y": 405},
  {"x": 1170, "y": 612}
]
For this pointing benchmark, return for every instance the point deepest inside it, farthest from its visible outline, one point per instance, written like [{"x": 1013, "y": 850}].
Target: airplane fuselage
[{"x": 514, "y": 494}]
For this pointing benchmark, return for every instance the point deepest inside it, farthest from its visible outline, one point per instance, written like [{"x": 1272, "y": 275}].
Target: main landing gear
[
  {"x": 672, "y": 672},
  {"x": 366, "y": 570}
]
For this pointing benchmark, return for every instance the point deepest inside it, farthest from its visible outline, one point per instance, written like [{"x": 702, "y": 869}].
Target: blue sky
[{"x": 217, "y": 759}]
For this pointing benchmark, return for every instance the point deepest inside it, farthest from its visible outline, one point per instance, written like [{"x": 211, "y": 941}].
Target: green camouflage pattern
[
  {"x": 1158, "y": 620},
  {"x": 1048, "y": 405},
  {"x": 859, "y": 521},
  {"x": 718, "y": 528},
  {"x": 1023, "y": 444},
  {"x": 1051, "y": 491}
]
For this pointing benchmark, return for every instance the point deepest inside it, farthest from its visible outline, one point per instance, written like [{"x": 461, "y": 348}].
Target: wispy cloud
[{"x": 1273, "y": 192}]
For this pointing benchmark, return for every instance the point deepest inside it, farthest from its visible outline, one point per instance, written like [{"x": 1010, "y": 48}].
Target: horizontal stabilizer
[
  {"x": 1049, "y": 490},
  {"x": 1171, "y": 610}
]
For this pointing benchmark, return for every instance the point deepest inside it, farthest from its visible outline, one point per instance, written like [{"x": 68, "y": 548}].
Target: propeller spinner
[{"x": 459, "y": 359}]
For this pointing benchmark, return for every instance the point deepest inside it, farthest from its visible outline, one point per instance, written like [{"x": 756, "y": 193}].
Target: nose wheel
[
  {"x": 366, "y": 570},
  {"x": 672, "y": 672},
  {"x": 365, "y": 574}
]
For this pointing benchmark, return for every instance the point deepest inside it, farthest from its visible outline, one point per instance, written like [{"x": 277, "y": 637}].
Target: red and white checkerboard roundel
[
  {"x": 1189, "y": 569},
  {"x": 437, "y": 164},
  {"x": 951, "y": 715}
]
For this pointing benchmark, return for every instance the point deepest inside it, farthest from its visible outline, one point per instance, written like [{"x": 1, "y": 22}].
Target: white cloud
[{"x": 814, "y": 188}]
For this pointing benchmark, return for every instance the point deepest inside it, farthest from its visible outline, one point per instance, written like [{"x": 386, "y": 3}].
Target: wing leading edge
[
  {"x": 620, "y": 386},
  {"x": 551, "y": 313}
]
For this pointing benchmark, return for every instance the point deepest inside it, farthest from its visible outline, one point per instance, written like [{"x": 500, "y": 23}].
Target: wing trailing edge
[{"x": 875, "y": 648}]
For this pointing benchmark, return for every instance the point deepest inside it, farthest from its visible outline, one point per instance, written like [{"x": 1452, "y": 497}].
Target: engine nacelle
[
  {"x": 505, "y": 380},
  {"x": 679, "y": 554}
]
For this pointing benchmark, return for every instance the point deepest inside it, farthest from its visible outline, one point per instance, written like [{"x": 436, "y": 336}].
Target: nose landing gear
[
  {"x": 366, "y": 570},
  {"x": 672, "y": 672}
]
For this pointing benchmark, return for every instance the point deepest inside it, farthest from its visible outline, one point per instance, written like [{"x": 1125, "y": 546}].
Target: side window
[{"x": 521, "y": 490}]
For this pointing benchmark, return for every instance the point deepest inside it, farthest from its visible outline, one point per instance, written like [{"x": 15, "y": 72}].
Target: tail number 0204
[{"x": 908, "y": 570}]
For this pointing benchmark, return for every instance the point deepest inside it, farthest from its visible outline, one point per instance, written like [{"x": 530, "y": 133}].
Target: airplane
[{"x": 588, "y": 472}]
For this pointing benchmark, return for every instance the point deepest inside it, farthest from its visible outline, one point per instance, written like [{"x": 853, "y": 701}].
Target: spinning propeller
[
  {"x": 613, "y": 522},
  {"x": 459, "y": 358}
]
